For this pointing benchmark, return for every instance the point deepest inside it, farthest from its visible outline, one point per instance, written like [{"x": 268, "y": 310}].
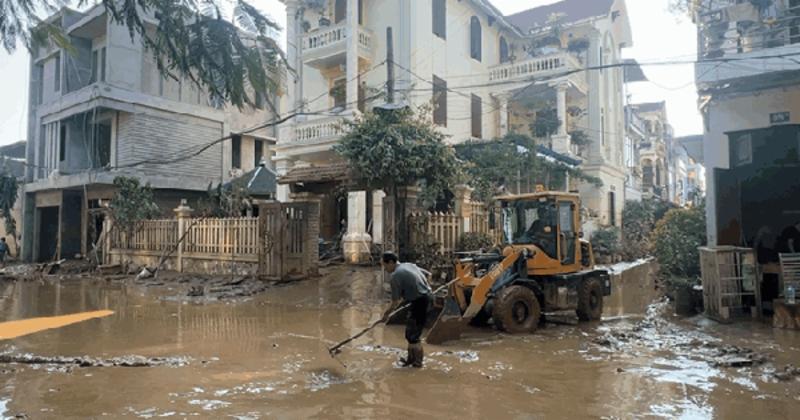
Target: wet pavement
[{"x": 266, "y": 357}]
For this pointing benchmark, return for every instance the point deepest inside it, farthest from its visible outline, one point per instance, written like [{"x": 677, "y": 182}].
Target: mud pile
[
  {"x": 656, "y": 333},
  {"x": 86, "y": 361}
]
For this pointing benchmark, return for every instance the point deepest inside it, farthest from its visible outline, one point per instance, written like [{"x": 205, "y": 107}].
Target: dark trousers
[{"x": 417, "y": 315}]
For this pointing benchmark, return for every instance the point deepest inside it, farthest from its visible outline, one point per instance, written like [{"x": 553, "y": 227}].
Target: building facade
[
  {"x": 104, "y": 110},
  {"x": 484, "y": 74},
  {"x": 749, "y": 92}
]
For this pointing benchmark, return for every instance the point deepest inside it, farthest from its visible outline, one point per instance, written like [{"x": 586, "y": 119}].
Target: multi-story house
[
  {"x": 749, "y": 87},
  {"x": 479, "y": 69},
  {"x": 103, "y": 109},
  {"x": 635, "y": 135},
  {"x": 654, "y": 150}
]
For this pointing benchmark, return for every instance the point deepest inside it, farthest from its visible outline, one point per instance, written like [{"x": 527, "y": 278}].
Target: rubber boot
[
  {"x": 418, "y": 354},
  {"x": 410, "y": 358}
]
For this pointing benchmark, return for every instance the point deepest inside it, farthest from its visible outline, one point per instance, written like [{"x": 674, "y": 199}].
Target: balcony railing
[
  {"x": 317, "y": 131},
  {"x": 325, "y": 44},
  {"x": 534, "y": 67}
]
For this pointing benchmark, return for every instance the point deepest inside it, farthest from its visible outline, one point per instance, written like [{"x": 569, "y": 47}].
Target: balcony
[
  {"x": 327, "y": 47},
  {"x": 539, "y": 67},
  {"x": 756, "y": 39},
  {"x": 316, "y": 135}
]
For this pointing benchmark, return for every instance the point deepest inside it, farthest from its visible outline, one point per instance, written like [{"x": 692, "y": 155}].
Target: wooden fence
[
  {"x": 229, "y": 236},
  {"x": 445, "y": 229},
  {"x": 150, "y": 235},
  {"x": 281, "y": 242}
]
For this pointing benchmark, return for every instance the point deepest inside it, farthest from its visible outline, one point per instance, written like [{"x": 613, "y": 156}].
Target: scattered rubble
[
  {"x": 86, "y": 361},
  {"x": 655, "y": 332}
]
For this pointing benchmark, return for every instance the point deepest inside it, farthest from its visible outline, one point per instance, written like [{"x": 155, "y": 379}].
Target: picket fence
[{"x": 446, "y": 229}]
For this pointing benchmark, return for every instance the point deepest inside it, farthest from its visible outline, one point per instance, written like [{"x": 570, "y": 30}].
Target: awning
[{"x": 337, "y": 172}]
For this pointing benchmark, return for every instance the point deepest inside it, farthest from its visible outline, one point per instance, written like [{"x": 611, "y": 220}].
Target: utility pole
[{"x": 389, "y": 66}]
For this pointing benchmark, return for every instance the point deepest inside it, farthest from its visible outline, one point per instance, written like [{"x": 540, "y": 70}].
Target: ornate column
[
  {"x": 561, "y": 141},
  {"x": 463, "y": 205},
  {"x": 357, "y": 243},
  {"x": 352, "y": 54},
  {"x": 502, "y": 100}
]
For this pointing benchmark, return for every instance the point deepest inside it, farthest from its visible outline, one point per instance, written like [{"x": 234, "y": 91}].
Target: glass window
[
  {"x": 504, "y": 53},
  {"x": 440, "y": 18},
  {"x": 477, "y": 117},
  {"x": 57, "y": 73},
  {"x": 439, "y": 101},
  {"x": 236, "y": 152},
  {"x": 476, "y": 38}
]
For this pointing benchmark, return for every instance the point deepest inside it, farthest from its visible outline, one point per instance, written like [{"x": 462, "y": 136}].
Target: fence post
[
  {"x": 463, "y": 206},
  {"x": 182, "y": 213},
  {"x": 311, "y": 239}
]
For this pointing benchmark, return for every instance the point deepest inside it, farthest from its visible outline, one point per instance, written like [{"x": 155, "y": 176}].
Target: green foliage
[
  {"x": 132, "y": 203},
  {"x": 390, "y": 150},
  {"x": 229, "y": 200},
  {"x": 546, "y": 123},
  {"x": 606, "y": 244},
  {"x": 8, "y": 198},
  {"x": 639, "y": 219},
  {"x": 505, "y": 162},
  {"x": 474, "y": 241},
  {"x": 676, "y": 239},
  {"x": 580, "y": 138},
  {"x": 201, "y": 41}
]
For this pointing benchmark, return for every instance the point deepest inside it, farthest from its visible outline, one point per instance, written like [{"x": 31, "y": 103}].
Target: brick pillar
[
  {"x": 183, "y": 213},
  {"x": 311, "y": 251}
]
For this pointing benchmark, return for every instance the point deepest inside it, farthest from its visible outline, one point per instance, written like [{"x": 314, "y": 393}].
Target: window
[
  {"x": 612, "y": 208},
  {"x": 62, "y": 144},
  {"x": 504, "y": 56},
  {"x": 39, "y": 78},
  {"x": 236, "y": 152},
  {"x": 477, "y": 116},
  {"x": 602, "y": 127},
  {"x": 340, "y": 11},
  {"x": 98, "y": 65},
  {"x": 439, "y": 101},
  {"x": 440, "y": 18},
  {"x": 475, "y": 38},
  {"x": 57, "y": 73},
  {"x": 339, "y": 93},
  {"x": 259, "y": 154},
  {"x": 95, "y": 61},
  {"x": 103, "y": 64},
  {"x": 744, "y": 150}
]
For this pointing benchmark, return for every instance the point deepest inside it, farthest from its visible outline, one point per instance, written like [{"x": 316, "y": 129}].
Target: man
[
  {"x": 3, "y": 251},
  {"x": 409, "y": 285},
  {"x": 790, "y": 239}
]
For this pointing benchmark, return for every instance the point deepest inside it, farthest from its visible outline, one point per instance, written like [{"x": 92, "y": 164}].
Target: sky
[{"x": 657, "y": 34}]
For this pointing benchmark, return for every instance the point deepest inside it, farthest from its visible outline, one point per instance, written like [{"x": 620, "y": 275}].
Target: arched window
[
  {"x": 339, "y": 11},
  {"x": 475, "y": 38},
  {"x": 504, "y": 58}
]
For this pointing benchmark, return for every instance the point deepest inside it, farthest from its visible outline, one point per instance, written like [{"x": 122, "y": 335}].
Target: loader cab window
[{"x": 531, "y": 222}]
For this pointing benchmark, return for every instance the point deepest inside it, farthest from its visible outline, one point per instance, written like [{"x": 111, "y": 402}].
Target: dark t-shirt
[
  {"x": 789, "y": 234},
  {"x": 3, "y": 247},
  {"x": 409, "y": 283}
]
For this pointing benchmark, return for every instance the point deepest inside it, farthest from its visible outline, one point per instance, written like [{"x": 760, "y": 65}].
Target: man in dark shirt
[{"x": 409, "y": 285}]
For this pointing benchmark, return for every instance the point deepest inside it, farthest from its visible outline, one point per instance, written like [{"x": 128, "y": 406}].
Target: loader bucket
[{"x": 449, "y": 325}]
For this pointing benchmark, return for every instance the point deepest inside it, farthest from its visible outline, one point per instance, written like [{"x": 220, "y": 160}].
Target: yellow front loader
[{"x": 544, "y": 266}]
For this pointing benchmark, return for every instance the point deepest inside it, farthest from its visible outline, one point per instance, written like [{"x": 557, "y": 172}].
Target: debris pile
[{"x": 87, "y": 361}]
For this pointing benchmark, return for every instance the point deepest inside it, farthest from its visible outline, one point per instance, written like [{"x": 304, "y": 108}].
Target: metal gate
[{"x": 285, "y": 240}]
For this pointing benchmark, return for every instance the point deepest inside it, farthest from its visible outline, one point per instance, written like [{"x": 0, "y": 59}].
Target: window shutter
[{"x": 477, "y": 117}]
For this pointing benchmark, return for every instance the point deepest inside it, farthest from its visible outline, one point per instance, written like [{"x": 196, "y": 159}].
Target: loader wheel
[
  {"x": 516, "y": 310},
  {"x": 590, "y": 300}
]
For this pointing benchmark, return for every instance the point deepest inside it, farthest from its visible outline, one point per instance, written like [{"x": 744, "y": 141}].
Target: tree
[
  {"x": 132, "y": 204},
  {"x": 390, "y": 150},
  {"x": 513, "y": 161},
  {"x": 676, "y": 240},
  {"x": 8, "y": 198},
  {"x": 546, "y": 123},
  {"x": 192, "y": 40}
]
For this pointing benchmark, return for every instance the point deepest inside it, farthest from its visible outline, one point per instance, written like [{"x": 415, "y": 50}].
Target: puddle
[{"x": 267, "y": 358}]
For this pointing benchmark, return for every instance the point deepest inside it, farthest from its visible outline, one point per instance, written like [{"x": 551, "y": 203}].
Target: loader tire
[
  {"x": 517, "y": 310},
  {"x": 590, "y": 300}
]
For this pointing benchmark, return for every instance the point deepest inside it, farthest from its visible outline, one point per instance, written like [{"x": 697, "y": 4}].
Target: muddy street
[{"x": 266, "y": 357}]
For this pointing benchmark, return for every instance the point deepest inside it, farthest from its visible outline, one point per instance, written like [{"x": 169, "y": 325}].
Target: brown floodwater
[{"x": 267, "y": 357}]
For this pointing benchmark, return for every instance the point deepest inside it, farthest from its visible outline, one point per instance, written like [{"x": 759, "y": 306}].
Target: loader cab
[{"x": 548, "y": 221}]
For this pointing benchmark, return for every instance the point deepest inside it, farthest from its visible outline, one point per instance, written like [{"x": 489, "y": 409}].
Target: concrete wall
[{"x": 741, "y": 112}]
